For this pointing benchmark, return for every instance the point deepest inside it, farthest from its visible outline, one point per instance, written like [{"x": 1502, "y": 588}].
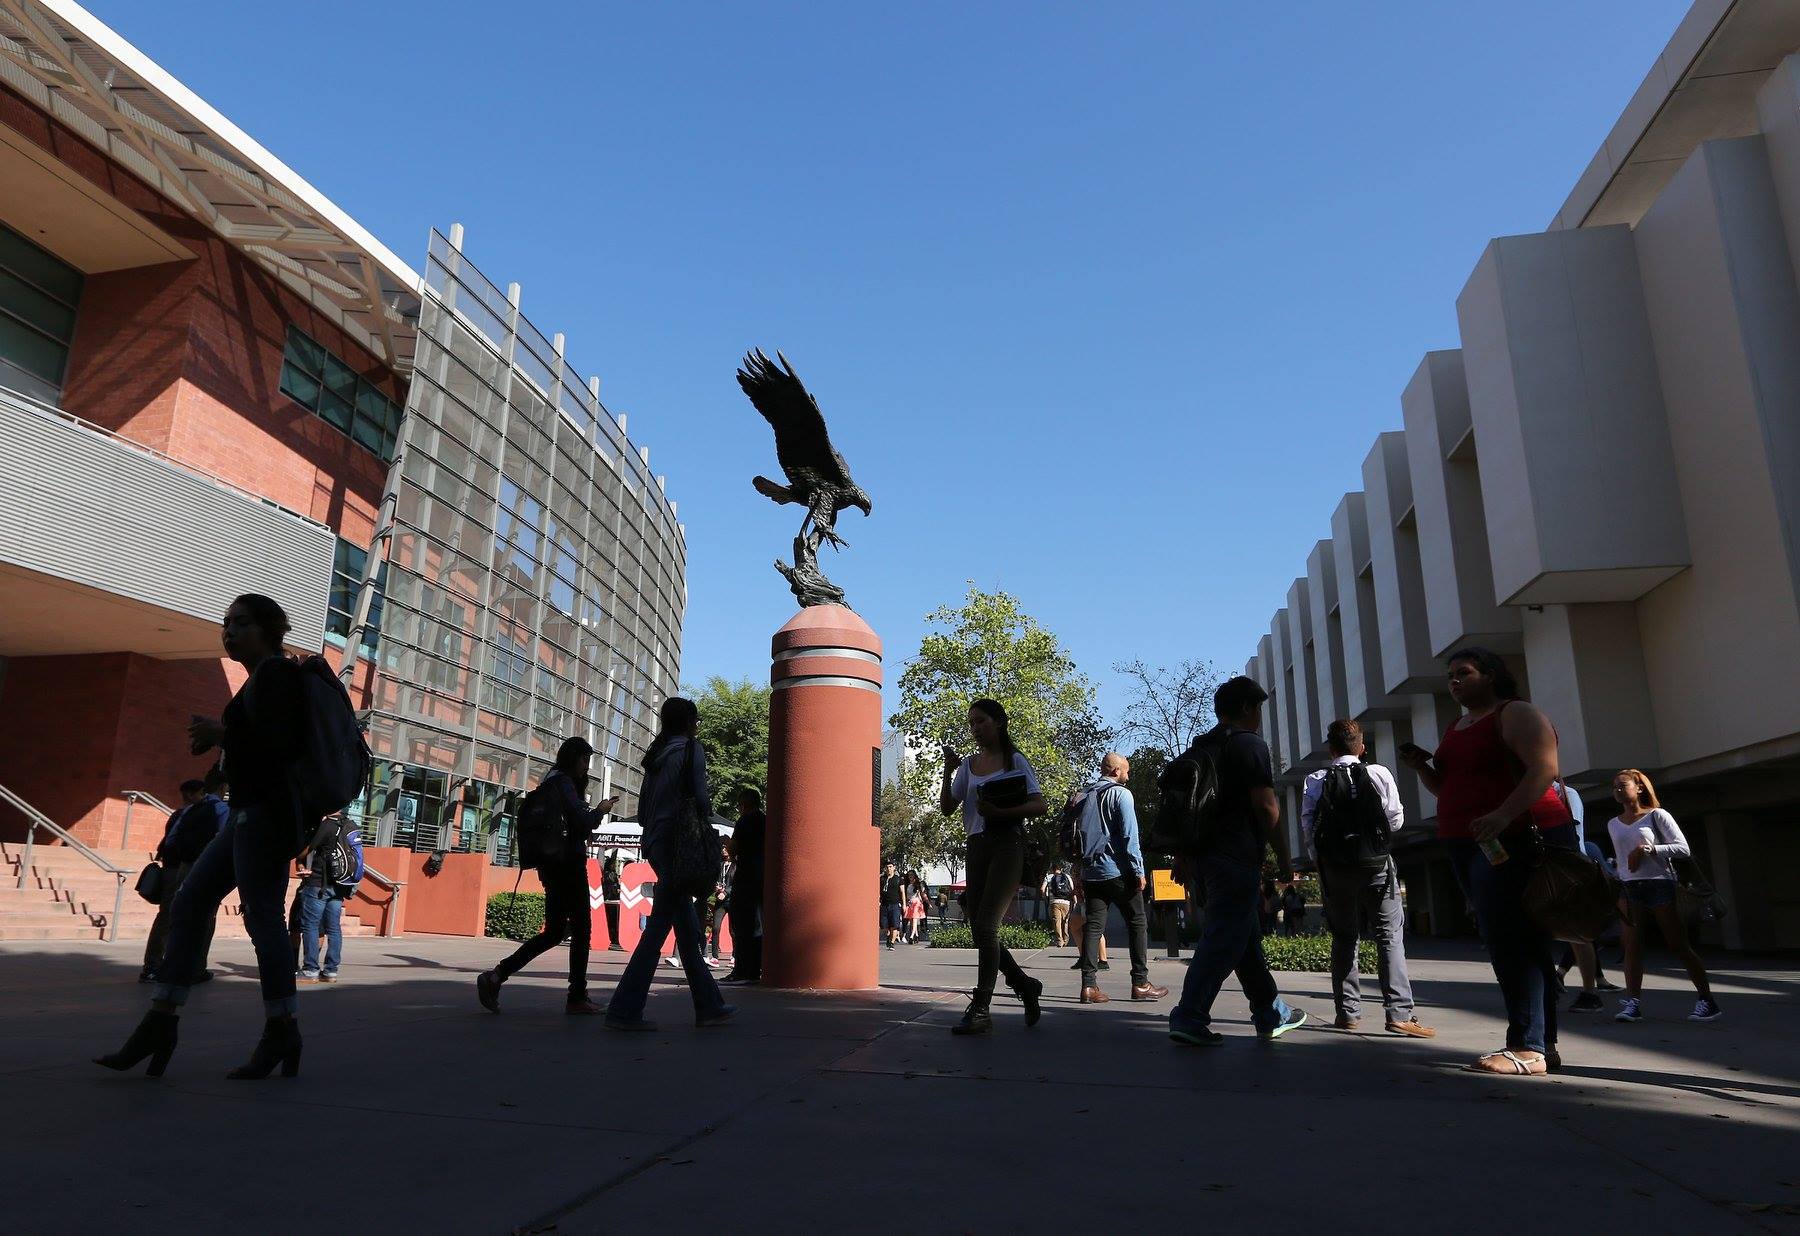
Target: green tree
[
  {"x": 915, "y": 834},
  {"x": 734, "y": 725},
  {"x": 989, "y": 647}
]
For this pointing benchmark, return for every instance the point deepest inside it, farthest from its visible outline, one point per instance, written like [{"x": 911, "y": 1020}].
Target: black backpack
[
  {"x": 542, "y": 830},
  {"x": 1350, "y": 826},
  {"x": 1186, "y": 818}
]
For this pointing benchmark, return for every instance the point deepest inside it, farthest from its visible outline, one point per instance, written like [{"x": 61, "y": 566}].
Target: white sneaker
[
  {"x": 674, "y": 963},
  {"x": 1630, "y": 1009}
]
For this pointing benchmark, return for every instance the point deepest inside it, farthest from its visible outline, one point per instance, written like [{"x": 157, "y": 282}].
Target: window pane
[
  {"x": 31, "y": 351},
  {"x": 39, "y": 266},
  {"x": 367, "y": 432},
  {"x": 36, "y": 309},
  {"x": 299, "y": 386},
  {"x": 335, "y": 411},
  {"x": 340, "y": 379},
  {"x": 303, "y": 352}
]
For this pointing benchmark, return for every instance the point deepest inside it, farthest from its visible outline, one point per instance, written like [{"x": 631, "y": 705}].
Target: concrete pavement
[{"x": 416, "y": 1109}]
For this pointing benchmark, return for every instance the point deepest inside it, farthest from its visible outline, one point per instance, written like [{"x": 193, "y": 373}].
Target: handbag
[
  {"x": 1696, "y": 900},
  {"x": 694, "y": 860},
  {"x": 153, "y": 883},
  {"x": 1570, "y": 895}
]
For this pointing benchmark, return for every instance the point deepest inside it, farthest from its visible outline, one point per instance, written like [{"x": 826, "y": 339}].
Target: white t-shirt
[
  {"x": 1658, "y": 828},
  {"x": 964, "y": 784}
]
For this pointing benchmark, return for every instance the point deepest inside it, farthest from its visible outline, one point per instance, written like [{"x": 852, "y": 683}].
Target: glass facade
[
  {"x": 347, "y": 566},
  {"x": 535, "y": 580},
  {"x": 319, "y": 381},
  {"x": 38, "y": 296}
]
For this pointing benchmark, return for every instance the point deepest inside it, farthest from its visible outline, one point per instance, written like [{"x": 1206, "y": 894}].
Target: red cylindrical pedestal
[{"x": 823, "y": 854}]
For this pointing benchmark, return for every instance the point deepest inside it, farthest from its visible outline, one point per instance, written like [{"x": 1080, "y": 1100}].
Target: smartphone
[{"x": 1412, "y": 750}]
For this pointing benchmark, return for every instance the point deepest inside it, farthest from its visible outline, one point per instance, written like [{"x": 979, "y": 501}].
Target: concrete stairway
[{"x": 67, "y": 898}]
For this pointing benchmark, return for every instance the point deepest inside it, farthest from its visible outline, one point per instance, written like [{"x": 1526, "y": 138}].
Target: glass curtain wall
[{"x": 536, "y": 575}]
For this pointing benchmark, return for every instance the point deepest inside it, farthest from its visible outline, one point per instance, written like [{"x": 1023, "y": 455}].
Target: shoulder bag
[
  {"x": 1696, "y": 900},
  {"x": 694, "y": 860}
]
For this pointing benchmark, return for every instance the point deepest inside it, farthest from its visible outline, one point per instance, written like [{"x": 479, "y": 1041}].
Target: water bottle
[{"x": 1494, "y": 851}]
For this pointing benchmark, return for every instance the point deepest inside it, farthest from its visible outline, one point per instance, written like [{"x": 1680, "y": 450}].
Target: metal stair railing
[
  {"x": 37, "y": 819},
  {"x": 132, "y": 799},
  {"x": 391, "y": 907}
]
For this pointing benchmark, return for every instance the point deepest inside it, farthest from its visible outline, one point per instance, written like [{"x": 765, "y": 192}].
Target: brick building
[{"x": 213, "y": 381}]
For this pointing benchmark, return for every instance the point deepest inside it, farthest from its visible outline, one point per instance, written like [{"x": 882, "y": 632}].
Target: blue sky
[{"x": 1104, "y": 304}]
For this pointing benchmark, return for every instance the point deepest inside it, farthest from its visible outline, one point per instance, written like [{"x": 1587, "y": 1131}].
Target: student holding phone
[{"x": 996, "y": 790}]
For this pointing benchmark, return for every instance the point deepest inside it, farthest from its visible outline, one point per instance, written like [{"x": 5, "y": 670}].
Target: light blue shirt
[{"x": 1118, "y": 811}]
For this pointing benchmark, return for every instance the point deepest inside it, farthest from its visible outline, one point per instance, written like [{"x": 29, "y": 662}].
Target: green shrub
[
  {"x": 1312, "y": 954},
  {"x": 1309, "y": 889},
  {"x": 1022, "y": 936},
  {"x": 515, "y": 921}
]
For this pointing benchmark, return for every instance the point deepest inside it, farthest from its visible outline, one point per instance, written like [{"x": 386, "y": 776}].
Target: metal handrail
[
  {"x": 132, "y": 798},
  {"x": 392, "y": 904},
  {"x": 37, "y": 819}
]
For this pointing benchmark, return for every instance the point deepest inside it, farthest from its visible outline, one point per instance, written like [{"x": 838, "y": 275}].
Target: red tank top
[{"x": 1478, "y": 770}]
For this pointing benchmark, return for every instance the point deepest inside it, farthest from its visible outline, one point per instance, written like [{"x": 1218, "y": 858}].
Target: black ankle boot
[
  {"x": 154, "y": 1037},
  {"x": 280, "y": 1044},
  {"x": 1028, "y": 992},
  {"x": 975, "y": 1019}
]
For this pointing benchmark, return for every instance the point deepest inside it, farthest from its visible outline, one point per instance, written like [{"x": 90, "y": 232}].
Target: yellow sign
[{"x": 1163, "y": 886}]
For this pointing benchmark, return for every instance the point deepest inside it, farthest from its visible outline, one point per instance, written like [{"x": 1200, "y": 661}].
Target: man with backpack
[
  {"x": 334, "y": 867},
  {"x": 1349, "y": 813},
  {"x": 1101, "y": 833},
  {"x": 190, "y": 830},
  {"x": 1218, "y": 813},
  {"x": 1059, "y": 890},
  {"x": 554, "y": 826}
]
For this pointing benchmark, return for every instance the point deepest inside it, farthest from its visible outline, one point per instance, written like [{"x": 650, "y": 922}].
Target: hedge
[
  {"x": 1012, "y": 935},
  {"x": 511, "y": 921},
  {"x": 1312, "y": 954}
]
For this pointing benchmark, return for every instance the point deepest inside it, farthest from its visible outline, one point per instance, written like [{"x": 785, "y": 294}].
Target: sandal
[{"x": 1510, "y": 1064}]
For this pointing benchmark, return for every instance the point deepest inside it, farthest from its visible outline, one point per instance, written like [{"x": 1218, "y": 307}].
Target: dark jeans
[
  {"x": 612, "y": 921},
  {"x": 995, "y": 865},
  {"x": 1520, "y": 951},
  {"x": 1100, "y": 895},
  {"x": 320, "y": 912},
  {"x": 1230, "y": 941},
  {"x": 165, "y": 914},
  {"x": 671, "y": 911},
  {"x": 252, "y": 854},
  {"x": 746, "y": 935},
  {"x": 566, "y": 917}
]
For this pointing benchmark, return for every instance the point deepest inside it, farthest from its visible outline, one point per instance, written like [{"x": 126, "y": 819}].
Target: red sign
[{"x": 637, "y": 893}]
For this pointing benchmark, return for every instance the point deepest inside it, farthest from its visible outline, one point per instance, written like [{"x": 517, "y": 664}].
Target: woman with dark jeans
[
  {"x": 674, "y": 768},
  {"x": 260, "y": 733},
  {"x": 996, "y": 858},
  {"x": 1494, "y": 775}
]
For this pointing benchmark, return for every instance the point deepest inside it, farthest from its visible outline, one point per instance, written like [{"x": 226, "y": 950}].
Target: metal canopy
[{"x": 72, "y": 65}]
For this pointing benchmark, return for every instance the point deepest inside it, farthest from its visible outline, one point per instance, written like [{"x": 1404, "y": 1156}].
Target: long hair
[
  {"x": 1506, "y": 687},
  {"x": 572, "y": 758},
  {"x": 1646, "y": 793},
  {"x": 997, "y": 711},
  {"x": 676, "y": 717},
  {"x": 269, "y": 617}
]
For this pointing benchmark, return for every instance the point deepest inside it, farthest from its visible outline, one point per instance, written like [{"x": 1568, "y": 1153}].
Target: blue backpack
[
  {"x": 1082, "y": 827},
  {"x": 342, "y": 865}
]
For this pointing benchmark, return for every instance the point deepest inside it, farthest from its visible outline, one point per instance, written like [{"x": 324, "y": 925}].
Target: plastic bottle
[{"x": 1495, "y": 852}]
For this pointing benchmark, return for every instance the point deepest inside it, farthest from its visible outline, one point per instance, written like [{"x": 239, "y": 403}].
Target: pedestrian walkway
[{"x": 862, "y": 1113}]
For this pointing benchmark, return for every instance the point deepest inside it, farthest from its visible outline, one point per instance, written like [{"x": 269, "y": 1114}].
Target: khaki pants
[{"x": 1059, "y": 920}]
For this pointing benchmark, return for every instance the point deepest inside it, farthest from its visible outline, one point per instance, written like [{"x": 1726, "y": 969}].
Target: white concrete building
[{"x": 1603, "y": 484}]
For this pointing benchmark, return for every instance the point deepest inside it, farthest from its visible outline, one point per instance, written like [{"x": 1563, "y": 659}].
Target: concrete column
[
  {"x": 1453, "y": 539},
  {"x": 1328, "y": 635},
  {"x": 1778, "y": 116},
  {"x": 1737, "y": 868},
  {"x": 1406, "y": 661},
  {"x": 1288, "y": 738},
  {"x": 1432, "y": 714},
  {"x": 1562, "y": 381},
  {"x": 1365, "y": 694},
  {"x": 1588, "y": 668},
  {"x": 1308, "y": 730}
]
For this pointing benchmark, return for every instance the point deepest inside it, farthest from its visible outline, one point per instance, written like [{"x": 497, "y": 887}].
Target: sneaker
[
  {"x": 1192, "y": 1033},
  {"x": 205, "y": 976},
  {"x": 673, "y": 962},
  {"x": 487, "y": 990},
  {"x": 738, "y": 980},
  {"x": 717, "y": 1017},
  {"x": 1105, "y": 966},
  {"x": 1077, "y": 965},
  {"x": 1293, "y": 1019},
  {"x": 1605, "y": 984},
  {"x": 1630, "y": 1009},
  {"x": 1706, "y": 1010},
  {"x": 328, "y": 978},
  {"x": 146, "y": 976},
  {"x": 1586, "y": 1002},
  {"x": 306, "y": 976},
  {"x": 583, "y": 1007},
  {"x": 615, "y": 948},
  {"x": 629, "y": 1023}
]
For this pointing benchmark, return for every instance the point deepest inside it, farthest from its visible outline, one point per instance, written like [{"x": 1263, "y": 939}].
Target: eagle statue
[{"x": 817, "y": 476}]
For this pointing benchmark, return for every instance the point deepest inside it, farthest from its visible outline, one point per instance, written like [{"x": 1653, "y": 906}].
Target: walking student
[
  {"x": 555, "y": 823},
  {"x": 1349, "y": 814},
  {"x": 1059, "y": 890},
  {"x": 1112, "y": 874},
  {"x": 1493, "y": 774},
  {"x": 747, "y": 843},
  {"x": 1293, "y": 910},
  {"x": 674, "y": 771},
  {"x": 1645, "y": 838},
  {"x": 260, "y": 732},
  {"x": 893, "y": 903},
  {"x": 997, "y": 791},
  {"x": 1247, "y": 819},
  {"x": 189, "y": 831},
  {"x": 334, "y": 867}
]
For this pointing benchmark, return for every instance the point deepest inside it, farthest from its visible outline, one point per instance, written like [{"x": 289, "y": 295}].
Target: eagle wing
[{"x": 801, "y": 442}]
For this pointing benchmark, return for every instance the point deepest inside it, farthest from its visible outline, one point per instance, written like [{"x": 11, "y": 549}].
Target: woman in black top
[{"x": 261, "y": 736}]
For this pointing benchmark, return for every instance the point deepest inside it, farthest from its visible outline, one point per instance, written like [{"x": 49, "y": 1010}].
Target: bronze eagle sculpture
[{"x": 818, "y": 478}]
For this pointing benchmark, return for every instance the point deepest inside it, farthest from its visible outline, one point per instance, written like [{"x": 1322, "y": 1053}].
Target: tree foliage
[
  {"x": 1169, "y": 708},
  {"x": 989, "y": 647},
  {"x": 734, "y": 725},
  {"x": 915, "y": 834}
]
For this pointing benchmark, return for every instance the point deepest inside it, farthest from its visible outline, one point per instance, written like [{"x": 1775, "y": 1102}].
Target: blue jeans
[
  {"x": 252, "y": 854},
  {"x": 321, "y": 911},
  {"x": 1520, "y": 951},
  {"x": 670, "y": 911},
  {"x": 1230, "y": 941}
]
